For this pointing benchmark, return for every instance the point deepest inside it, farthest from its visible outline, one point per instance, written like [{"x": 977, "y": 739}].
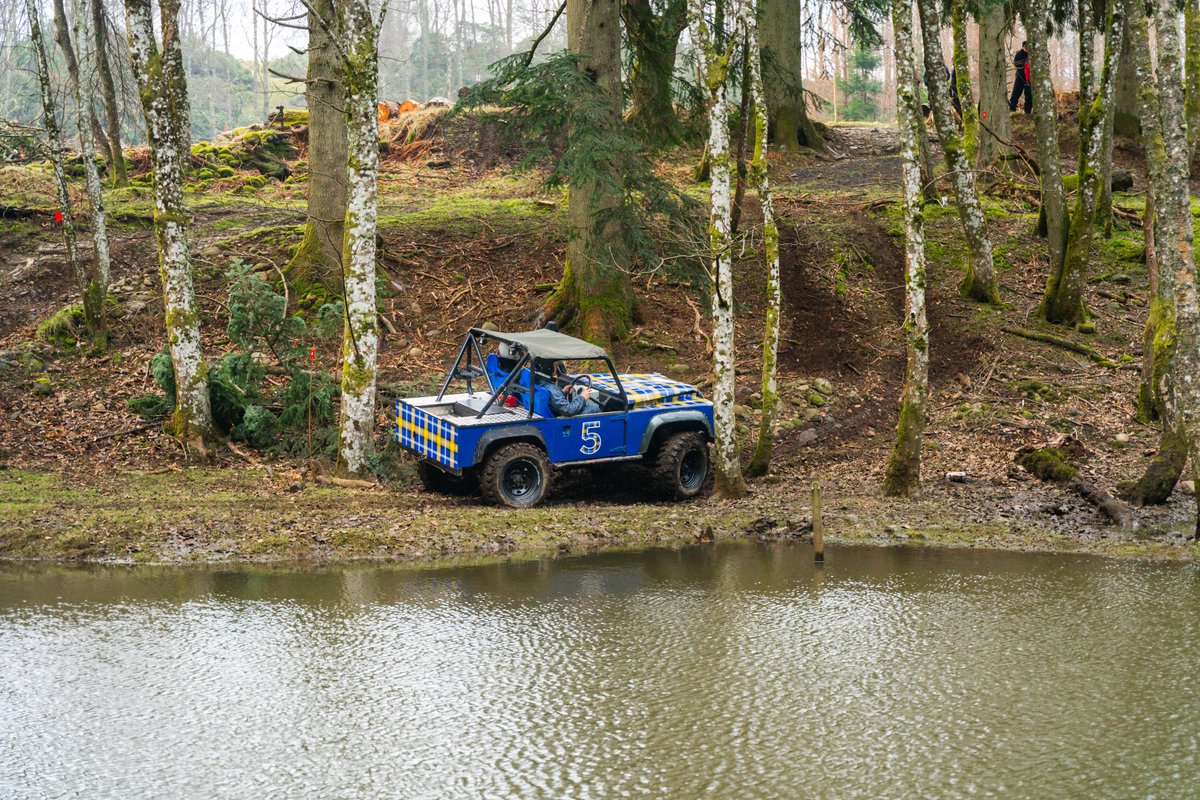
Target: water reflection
[{"x": 733, "y": 671}]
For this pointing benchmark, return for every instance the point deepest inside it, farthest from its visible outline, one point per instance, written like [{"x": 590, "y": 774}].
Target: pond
[{"x": 731, "y": 671}]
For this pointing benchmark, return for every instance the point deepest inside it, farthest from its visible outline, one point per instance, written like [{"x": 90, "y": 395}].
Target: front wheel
[
  {"x": 682, "y": 468},
  {"x": 516, "y": 475}
]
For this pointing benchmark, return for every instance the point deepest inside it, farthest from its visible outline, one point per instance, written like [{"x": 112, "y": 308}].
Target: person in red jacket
[{"x": 1021, "y": 82}]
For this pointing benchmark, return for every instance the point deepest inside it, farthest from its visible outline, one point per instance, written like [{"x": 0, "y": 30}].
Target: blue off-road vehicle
[{"x": 503, "y": 433}]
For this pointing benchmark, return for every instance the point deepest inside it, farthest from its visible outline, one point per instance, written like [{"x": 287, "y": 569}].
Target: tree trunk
[
  {"x": 96, "y": 290},
  {"x": 595, "y": 292},
  {"x": 739, "y": 146},
  {"x": 760, "y": 462},
  {"x": 903, "y": 476},
  {"x": 993, "y": 84},
  {"x": 1126, "y": 115},
  {"x": 1037, "y": 22},
  {"x": 782, "y": 68},
  {"x": 319, "y": 258},
  {"x": 1064, "y": 302},
  {"x": 57, "y": 152},
  {"x": 62, "y": 35},
  {"x": 980, "y": 281},
  {"x": 108, "y": 89},
  {"x": 717, "y": 56},
  {"x": 1191, "y": 66},
  {"x": 360, "y": 341},
  {"x": 162, "y": 87},
  {"x": 962, "y": 71},
  {"x": 654, "y": 40},
  {"x": 1174, "y": 234}
]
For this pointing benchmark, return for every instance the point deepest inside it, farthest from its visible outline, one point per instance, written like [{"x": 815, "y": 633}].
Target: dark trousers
[{"x": 1021, "y": 86}]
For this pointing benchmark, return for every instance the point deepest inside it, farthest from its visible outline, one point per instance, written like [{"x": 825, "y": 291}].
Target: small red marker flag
[
  {"x": 58, "y": 216},
  {"x": 984, "y": 115},
  {"x": 312, "y": 353}
]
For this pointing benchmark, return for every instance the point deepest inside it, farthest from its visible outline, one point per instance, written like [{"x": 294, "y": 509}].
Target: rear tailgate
[{"x": 427, "y": 435}]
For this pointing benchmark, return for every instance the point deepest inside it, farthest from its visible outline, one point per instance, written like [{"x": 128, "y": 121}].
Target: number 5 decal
[{"x": 591, "y": 439}]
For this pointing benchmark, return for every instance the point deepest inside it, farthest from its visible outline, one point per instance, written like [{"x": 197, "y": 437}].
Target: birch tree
[
  {"x": 354, "y": 30},
  {"x": 903, "y": 476},
  {"x": 83, "y": 88},
  {"x": 108, "y": 90},
  {"x": 1064, "y": 302},
  {"x": 1168, "y": 154},
  {"x": 962, "y": 73},
  {"x": 717, "y": 57},
  {"x": 980, "y": 281},
  {"x": 1053, "y": 217},
  {"x": 760, "y": 462},
  {"x": 162, "y": 87},
  {"x": 57, "y": 153}
]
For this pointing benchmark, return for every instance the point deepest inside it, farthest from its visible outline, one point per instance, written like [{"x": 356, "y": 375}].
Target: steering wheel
[{"x": 586, "y": 380}]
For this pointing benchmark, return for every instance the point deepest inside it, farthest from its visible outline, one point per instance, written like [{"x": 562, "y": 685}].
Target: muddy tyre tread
[
  {"x": 490, "y": 477},
  {"x": 667, "y": 461}
]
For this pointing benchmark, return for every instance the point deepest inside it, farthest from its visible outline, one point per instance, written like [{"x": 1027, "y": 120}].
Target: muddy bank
[{"x": 219, "y": 516}]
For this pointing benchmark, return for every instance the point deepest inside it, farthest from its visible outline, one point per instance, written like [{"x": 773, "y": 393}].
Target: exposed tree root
[{"x": 1059, "y": 341}]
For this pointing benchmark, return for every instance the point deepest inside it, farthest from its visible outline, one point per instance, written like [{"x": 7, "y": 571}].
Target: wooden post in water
[{"x": 818, "y": 524}]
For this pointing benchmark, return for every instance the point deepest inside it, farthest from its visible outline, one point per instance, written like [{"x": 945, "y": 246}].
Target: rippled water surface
[{"x": 733, "y": 672}]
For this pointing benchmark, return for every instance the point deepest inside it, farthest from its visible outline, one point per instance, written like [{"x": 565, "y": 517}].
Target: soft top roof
[{"x": 546, "y": 343}]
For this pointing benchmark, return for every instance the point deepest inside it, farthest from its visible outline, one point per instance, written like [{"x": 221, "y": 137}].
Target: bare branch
[{"x": 533, "y": 47}]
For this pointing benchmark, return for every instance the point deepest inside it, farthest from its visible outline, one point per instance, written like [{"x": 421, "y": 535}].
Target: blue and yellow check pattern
[
  {"x": 427, "y": 435},
  {"x": 647, "y": 389}
]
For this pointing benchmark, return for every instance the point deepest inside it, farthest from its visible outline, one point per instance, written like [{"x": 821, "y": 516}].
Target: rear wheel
[
  {"x": 681, "y": 467},
  {"x": 515, "y": 475},
  {"x": 442, "y": 482}
]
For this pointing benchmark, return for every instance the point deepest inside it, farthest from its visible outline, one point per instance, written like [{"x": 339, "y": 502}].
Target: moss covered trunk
[
  {"x": 760, "y": 462},
  {"x": 962, "y": 74},
  {"x": 595, "y": 294},
  {"x": 903, "y": 475},
  {"x": 83, "y": 88},
  {"x": 993, "y": 85},
  {"x": 57, "y": 152},
  {"x": 1063, "y": 301},
  {"x": 1166, "y": 257},
  {"x": 108, "y": 90},
  {"x": 783, "y": 84},
  {"x": 980, "y": 281},
  {"x": 654, "y": 40},
  {"x": 162, "y": 87},
  {"x": 1053, "y": 212},
  {"x": 360, "y": 338},
  {"x": 319, "y": 257},
  {"x": 1191, "y": 71},
  {"x": 1174, "y": 234},
  {"x": 717, "y": 55}
]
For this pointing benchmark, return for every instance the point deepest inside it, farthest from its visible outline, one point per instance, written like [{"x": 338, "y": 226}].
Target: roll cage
[{"x": 541, "y": 345}]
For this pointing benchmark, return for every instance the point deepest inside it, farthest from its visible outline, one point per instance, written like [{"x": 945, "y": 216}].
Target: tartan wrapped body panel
[
  {"x": 645, "y": 389},
  {"x": 427, "y": 435}
]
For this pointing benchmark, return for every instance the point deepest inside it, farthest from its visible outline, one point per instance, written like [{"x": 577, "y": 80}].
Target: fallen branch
[
  {"x": 698, "y": 328},
  {"x": 1120, "y": 514},
  {"x": 119, "y": 434},
  {"x": 345, "y": 483},
  {"x": 1059, "y": 341}
]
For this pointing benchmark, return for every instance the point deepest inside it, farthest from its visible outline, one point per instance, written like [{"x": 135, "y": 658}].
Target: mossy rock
[
  {"x": 1049, "y": 464},
  {"x": 206, "y": 174},
  {"x": 256, "y": 182},
  {"x": 62, "y": 328},
  {"x": 41, "y": 387},
  {"x": 226, "y": 172}
]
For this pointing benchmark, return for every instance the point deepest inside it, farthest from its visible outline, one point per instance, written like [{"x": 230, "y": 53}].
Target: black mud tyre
[
  {"x": 441, "y": 482},
  {"x": 682, "y": 467},
  {"x": 515, "y": 475}
]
